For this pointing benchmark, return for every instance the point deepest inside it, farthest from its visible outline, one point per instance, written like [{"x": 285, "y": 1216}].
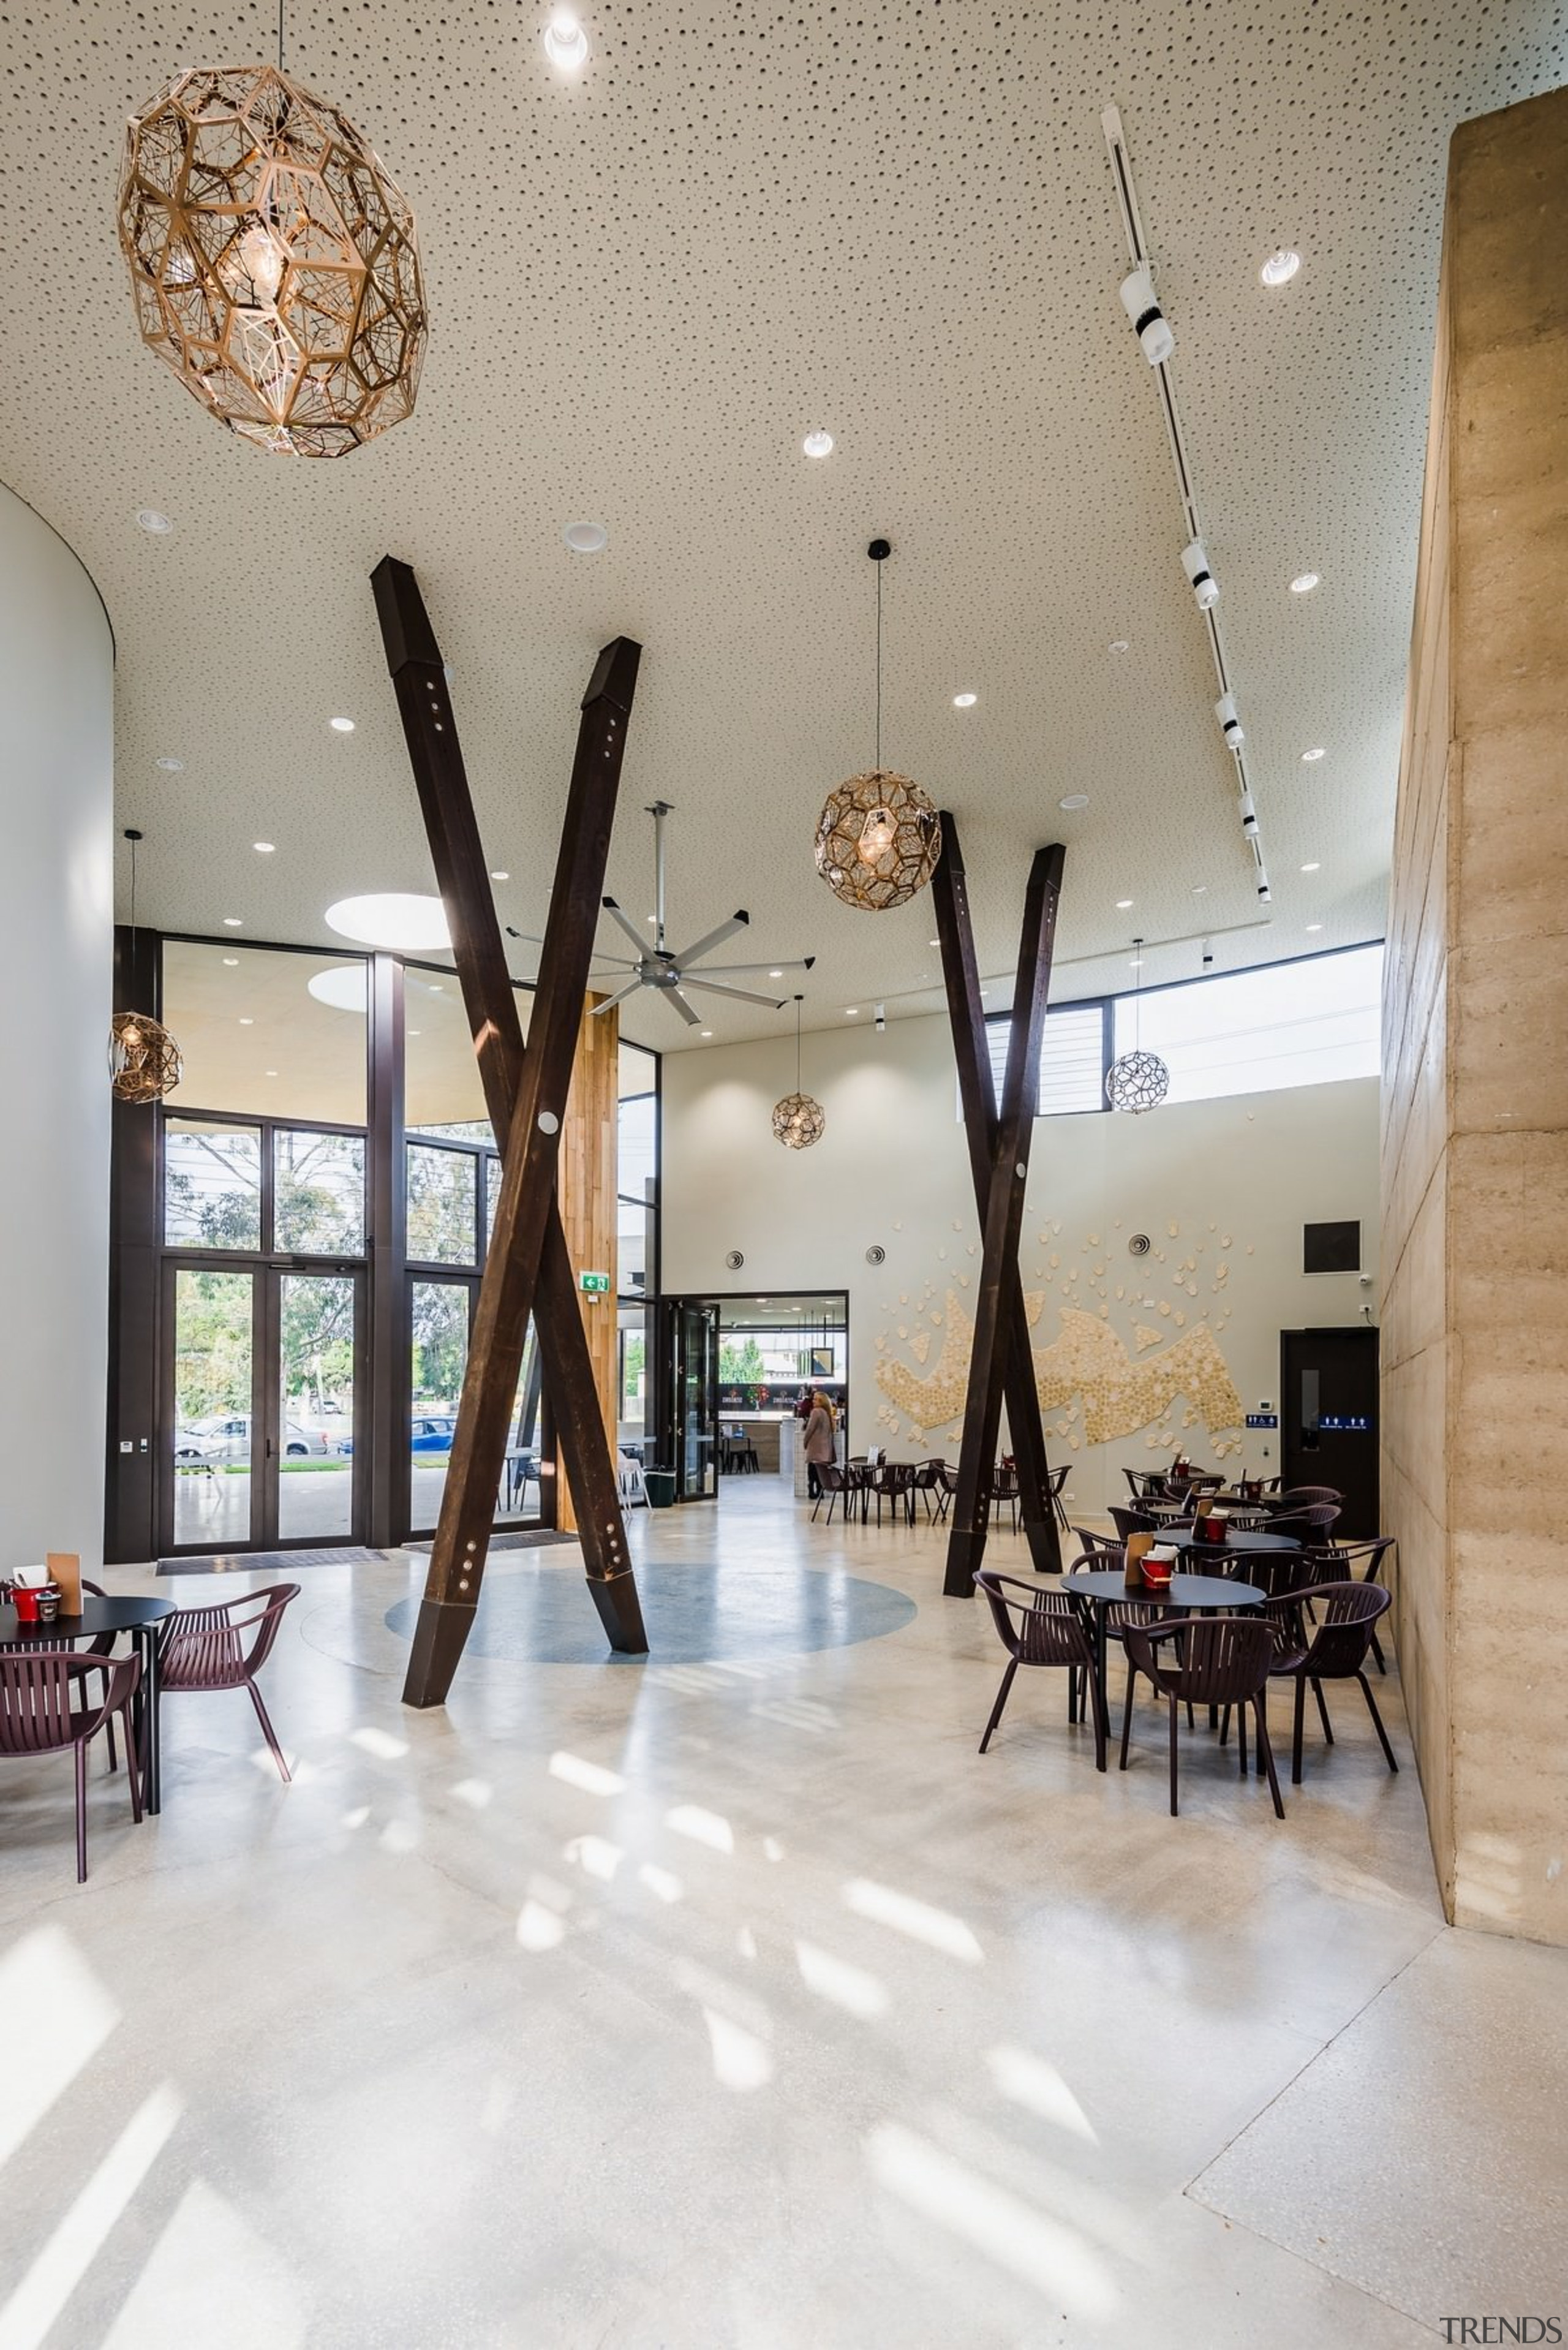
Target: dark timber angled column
[
  {"x": 527, "y": 1269},
  {"x": 1001, "y": 1362}
]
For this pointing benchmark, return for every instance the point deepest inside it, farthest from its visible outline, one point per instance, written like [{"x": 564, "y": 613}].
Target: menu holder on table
[
  {"x": 1138, "y": 1549},
  {"x": 65, "y": 1569}
]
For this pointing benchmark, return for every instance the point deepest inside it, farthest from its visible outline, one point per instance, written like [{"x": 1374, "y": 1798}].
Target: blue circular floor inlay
[{"x": 544, "y": 1615}]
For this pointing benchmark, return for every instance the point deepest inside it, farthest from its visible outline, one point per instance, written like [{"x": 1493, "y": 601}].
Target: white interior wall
[
  {"x": 1220, "y": 1188},
  {"x": 56, "y": 781}
]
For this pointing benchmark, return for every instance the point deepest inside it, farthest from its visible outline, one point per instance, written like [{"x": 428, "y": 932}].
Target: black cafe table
[
  {"x": 1196, "y": 1594},
  {"x": 1233, "y": 1547},
  {"x": 138, "y": 1617}
]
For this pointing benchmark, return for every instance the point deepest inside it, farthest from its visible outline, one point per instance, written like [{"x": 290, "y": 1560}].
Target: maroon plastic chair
[
  {"x": 1309, "y": 1523},
  {"x": 833, "y": 1487},
  {"x": 200, "y": 1648},
  {"x": 1043, "y": 1627},
  {"x": 1358, "y": 1561},
  {"x": 1131, "y": 1521},
  {"x": 1336, "y": 1651},
  {"x": 1297, "y": 1496},
  {"x": 1101, "y": 1551},
  {"x": 1219, "y": 1661},
  {"x": 39, "y": 1714}
]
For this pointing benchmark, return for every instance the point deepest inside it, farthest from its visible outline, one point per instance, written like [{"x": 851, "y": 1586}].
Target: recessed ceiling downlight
[
  {"x": 565, "y": 43},
  {"x": 1281, "y": 266},
  {"x": 170, "y": 765},
  {"x": 817, "y": 444},
  {"x": 395, "y": 919},
  {"x": 585, "y": 538},
  {"x": 341, "y": 725},
  {"x": 345, "y": 987},
  {"x": 965, "y": 700},
  {"x": 1304, "y": 582},
  {"x": 1316, "y": 752},
  {"x": 156, "y": 524},
  {"x": 1074, "y": 801}
]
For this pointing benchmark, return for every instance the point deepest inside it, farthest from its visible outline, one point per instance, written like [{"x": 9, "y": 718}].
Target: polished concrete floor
[{"x": 733, "y": 1999}]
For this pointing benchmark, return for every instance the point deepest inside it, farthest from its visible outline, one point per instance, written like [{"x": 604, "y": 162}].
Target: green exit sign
[{"x": 595, "y": 1284}]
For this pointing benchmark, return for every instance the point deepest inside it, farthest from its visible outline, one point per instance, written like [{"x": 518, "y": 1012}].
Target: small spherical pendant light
[
  {"x": 798, "y": 1121},
  {"x": 144, "y": 1061},
  {"x": 273, "y": 262},
  {"x": 1138, "y": 1081},
  {"x": 878, "y": 836}
]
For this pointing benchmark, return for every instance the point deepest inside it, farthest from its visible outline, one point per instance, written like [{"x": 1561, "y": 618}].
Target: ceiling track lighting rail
[{"x": 1158, "y": 343}]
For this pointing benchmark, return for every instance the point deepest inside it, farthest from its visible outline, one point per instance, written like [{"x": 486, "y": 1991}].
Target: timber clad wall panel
[
  {"x": 585, "y": 1185},
  {"x": 1475, "y": 1144}
]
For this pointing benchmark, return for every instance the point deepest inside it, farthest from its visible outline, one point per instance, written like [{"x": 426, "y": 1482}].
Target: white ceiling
[{"x": 897, "y": 223}]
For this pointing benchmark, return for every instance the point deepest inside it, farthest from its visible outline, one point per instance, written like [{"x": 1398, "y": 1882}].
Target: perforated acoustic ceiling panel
[{"x": 897, "y": 224}]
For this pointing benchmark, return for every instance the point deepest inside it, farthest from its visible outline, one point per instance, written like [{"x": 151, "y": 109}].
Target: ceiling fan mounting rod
[{"x": 658, "y": 811}]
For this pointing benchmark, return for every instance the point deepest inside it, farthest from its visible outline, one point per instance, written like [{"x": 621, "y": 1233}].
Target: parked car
[
  {"x": 227, "y": 1437},
  {"x": 428, "y": 1432}
]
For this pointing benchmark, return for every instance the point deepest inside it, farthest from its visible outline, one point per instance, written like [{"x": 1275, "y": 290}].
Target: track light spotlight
[
  {"x": 1149, "y": 323},
  {"x": 1230, "y": 725},
  {"x": 881, "y": 1018},
  {"x": 1195, "y": 563},
  {"x": 1208, "y": 953}
]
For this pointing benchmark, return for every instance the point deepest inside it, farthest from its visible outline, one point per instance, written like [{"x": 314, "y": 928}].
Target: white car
[{"x": 228, "y": 1438}]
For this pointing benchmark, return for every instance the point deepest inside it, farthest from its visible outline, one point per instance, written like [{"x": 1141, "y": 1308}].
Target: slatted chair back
[
  {"x": 1361, "y": 1561},
  {"x": 1100, "y": 1555},
  {"x": 37, "y": 1689},
  {"x": 1042, "y": 1628},
  {"x": 1348, "y": 1613},
  {"x": 1299, "y": 1495},
  {"x": 202, "y": 1648},
  {"x": 1131, "y": 1521},
  {"x": 1308, "y": 1524},
  {"x": 1212, "y": 1660}
]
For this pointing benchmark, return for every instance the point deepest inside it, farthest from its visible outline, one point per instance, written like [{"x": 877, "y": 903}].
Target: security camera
[
  {"x": 1265, "y": 895},
  {"x": 1207, "y": 952},
  {"x": 1148, "y": 319},
  {"x": 881, "y": 1018},
  {"x": 1230, "y": 727},
  {"x": 1195, "y": 563},
  {"x": 1367, "y": 1281}
]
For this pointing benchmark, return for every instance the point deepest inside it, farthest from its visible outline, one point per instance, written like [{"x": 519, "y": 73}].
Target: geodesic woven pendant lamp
[
  {"x": 798, "y": 1121},
  {"x": 1138, "y": 1081},
  {"x": 878, "y": 836},
  {"x": 144, "y": 1062},
  {"x": 273, "y": 262}
]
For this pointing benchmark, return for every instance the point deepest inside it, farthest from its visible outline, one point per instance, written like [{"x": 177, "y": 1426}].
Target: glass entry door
[
  {"x": 262, "y": 1382},
  {"x": 440, "y": 1316},
  {"x": 696, "y": 1327}
]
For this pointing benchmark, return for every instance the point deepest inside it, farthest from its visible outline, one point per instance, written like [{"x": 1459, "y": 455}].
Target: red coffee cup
[{"x": 25, "y": 1604}]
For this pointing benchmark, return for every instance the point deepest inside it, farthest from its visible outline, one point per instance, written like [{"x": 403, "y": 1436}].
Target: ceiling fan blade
[
  {"x": 638, "y": 942},
  {"x": 619, "y": 997},
  {"x": 692, "y": 1018},
  {"x": 739, "y": 994},
  {"x": 745, "y": 970},
  {"x": 737, "y": 922}
]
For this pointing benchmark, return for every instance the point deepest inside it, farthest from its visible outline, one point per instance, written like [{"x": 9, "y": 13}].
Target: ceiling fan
[{"x": 671, "y": 974}]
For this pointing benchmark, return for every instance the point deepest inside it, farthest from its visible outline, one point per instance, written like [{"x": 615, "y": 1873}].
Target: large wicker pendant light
[
  {"x": 144, "y": 1061},
  {"x": 878, "y": 836},
  {"x": 798, "y": 1121},
  {"x": 1139, "y": 1081},
  {"x": 272, "y": 260}
]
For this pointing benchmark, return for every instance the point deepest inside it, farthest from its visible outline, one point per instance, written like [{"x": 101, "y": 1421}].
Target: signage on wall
[
  {"x": 1262, "y": 1419},
  {"x": 1351, "y": 1424},
  {"x": 595, "y": 1284}
]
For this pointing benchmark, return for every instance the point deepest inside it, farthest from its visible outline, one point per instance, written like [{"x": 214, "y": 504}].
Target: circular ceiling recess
[
  {"x": 585, "y": 538},
  {"x": 392, "y": 919}
]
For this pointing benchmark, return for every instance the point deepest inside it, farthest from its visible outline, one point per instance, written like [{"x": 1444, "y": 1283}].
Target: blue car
[{"x": 428, "y": 1432}]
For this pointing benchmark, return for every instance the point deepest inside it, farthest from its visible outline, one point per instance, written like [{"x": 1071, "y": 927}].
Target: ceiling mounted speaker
[
  {"x": 734, "y": 1260},
  {"x": 1139, "y": 1245},
  {"x": 875, "y": 1255}
]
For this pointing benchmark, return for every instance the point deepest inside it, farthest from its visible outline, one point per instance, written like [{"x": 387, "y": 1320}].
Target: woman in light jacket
[{"x": 818, "y": 1442}]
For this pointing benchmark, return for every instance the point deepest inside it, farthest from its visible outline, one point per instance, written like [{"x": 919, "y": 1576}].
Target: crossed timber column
[
  {"x": 527, "y": 1269},
  {"x": 1001, "y": 1362}
]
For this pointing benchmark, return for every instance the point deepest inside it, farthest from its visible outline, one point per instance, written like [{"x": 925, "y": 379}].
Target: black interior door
[
  {"x": 696, "y": 1385},
  {"x": 1328, "y": 1397}
]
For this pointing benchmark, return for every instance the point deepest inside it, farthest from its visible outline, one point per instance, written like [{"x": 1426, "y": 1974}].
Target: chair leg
[
  {"x": 1377, "y": 1720},
  {"x": 1000, "y": 1701},
  {"x": 1301, "y": 1723},
  {"x": 1225, "y": 1726},
  {"x": 109, "y": 1725},
  {"x": 267, "y": 1730},
  {"x": 1377, "y": 1655},
  {"x": 1073, "y": 1694},
  {"x": 1173, "y": 1742},
  {"x": 81, "y": 1810},
  {"x": 1241, "y": 1740},
  {"x": 1267, "y": 1751},
  {"x": 1323, "y": 1712},
  {"x": 1127, "y": 1709}
]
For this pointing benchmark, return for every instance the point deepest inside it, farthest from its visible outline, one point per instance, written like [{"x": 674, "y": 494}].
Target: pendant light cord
[
  {"x": 797, "y": 1003},
  {"x": 280, "y": 8},
  {"x": 878, "y": 669}
]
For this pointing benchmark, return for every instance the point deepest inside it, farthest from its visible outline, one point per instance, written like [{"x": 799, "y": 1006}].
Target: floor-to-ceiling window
[{"x": 268, "y": 1333}]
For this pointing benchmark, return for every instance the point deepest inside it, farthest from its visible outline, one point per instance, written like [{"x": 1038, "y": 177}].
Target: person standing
[{"x": 818, "y": 1443}]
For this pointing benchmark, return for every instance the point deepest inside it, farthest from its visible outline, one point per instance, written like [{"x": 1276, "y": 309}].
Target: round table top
[
  {"x": 98, "y": 1615},
  {"x": 1186, "y": 1590},
  {"x": 1240, "y": 1542}
]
